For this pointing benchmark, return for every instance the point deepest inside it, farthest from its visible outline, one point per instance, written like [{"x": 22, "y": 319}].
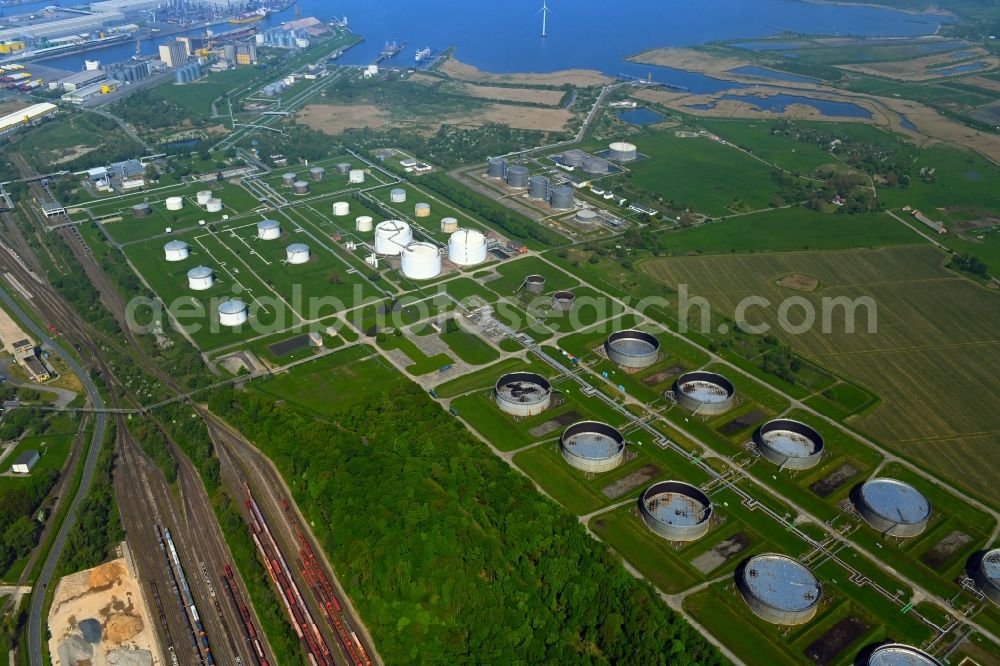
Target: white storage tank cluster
[
  {"x": 449, "y": 225},
  {"x": 397, "y": 195},
  {"x": 233, "y": 313},
  {"x": 467, "y": 247},
  {"x": 391, "y": 236},
  {"x": 204, "y": 196},
  {"x": 268, "y": 230},
  {"x": 176, "y": 250},
  {"x": 200, "y": 278},
  {"x": 364, "y": 223},
  {"x": 356, "y": 176},
  {"x": 341, "y": 208},
  {"x": 421, "y": 261},
  {"x": 297, "y": 253},
  {"x": 422, "y": 210},
  {"x": 174, "y": 203},
  {"x": 213, "y": 205}
]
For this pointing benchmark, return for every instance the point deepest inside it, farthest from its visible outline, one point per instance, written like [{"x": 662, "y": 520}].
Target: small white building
[{"x": 25, "y": 462}]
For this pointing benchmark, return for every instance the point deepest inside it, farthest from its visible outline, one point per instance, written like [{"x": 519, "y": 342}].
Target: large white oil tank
[
  {"x": 392, "y": 236},
  {"x": 200, "y": 278},
  {"x": 467, "y": 247},
  {"x": 268, "y": 230},
  {"x": 364, "y": 223},
  {"x": 341, "y": 208},
  {"x": 214, "y": 205},
  {"x": 297, "y": 253},
  {"x": 233, "y": 313},
  {"x": 204, "y": 196},
  {"x": 176, "y": 250},
  {"x": 421, "y": 261},
  {"x": 356, "y": 176},
  {"x": 175, "y": 203}
]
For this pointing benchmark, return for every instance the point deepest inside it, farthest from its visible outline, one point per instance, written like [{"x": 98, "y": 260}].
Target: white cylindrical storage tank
[
  {"x": 392, "y": 236},
  {"x": 676, "y": 510},
  {"x": 288, "y": 179},
  {"x": 421, "y": 261},
  {"x": 422, "y": 210},
  {"x": 632, "y": 350},
  {"x": 317, "y": 173},
  {"x": 563, "y": 300},
  {"x": 893, "y": 507},
  {"x": 233, "y": 312},
  {"x": 176, "y": 250},
  {"x": 622, "y": 151},
  {"x": 213, "y": 205},
  {"x": 779, "y": 589},
  {"x": 200, "y": 278},
  {"x": 297, "y": 253},
  {"x": 203, "y": 197},
  {"x": 573, "y": 158},
  {"x": 535, "y": 284},
  {"x": 467, "y": 247},
  {"x": 300, "y": 187},
  {"x": 397, "y": 195},
  {"x": 898, "y": 654},
  {"x": 356, "y": 176},
  {"x": 364, "y": 224},
  {"x": 175, "y": 203},
  {"x": 988, "y": 575},
  {"x": 449, "y": 225},
  {"x": 268, "y": 230},
  {"x": 341, "y": 208},
  {"x": 587, "y": 217},
  {"x": 789, "y": 443},
  {"x": 592, "y": 446},
  {"x": 523, "y": 394},
  {"x": 702, "y": 392}
]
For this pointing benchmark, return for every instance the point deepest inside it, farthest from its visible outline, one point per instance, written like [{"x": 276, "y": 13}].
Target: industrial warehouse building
[
  {"x": 24, "y": 462},
  {"x": 12, "y": 121}
]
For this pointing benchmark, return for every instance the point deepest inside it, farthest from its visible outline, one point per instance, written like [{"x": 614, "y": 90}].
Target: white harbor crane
[{"x": 545, "y": 17}]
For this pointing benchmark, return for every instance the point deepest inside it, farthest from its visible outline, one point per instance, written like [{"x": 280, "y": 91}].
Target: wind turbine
[{"x": 545, "y": 17}]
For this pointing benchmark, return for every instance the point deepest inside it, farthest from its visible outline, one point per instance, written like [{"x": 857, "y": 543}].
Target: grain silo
[
  {"x": 200, "y": 278},
  {"x": 176, "y": 250},
  {"x": 892, "y": 507},
  {"x": 517, "y": 176},
  {"x": 538, "y": 188},
  {"x": 592, "y": 446},
  {"x": 363, "y": 224},
  {"x": 421, "y": 261},
  {"x": 268, "y": 230},
  {"x": 467, "y": 247},
  {"x": 561, "y": 197},
  {"x": 142, "y": 210},
  {"x": 788, "y": 443},
  {"x": 779, "y": 589},
  {"x": 233, "y": 312},
  {"x": 632, "y": 350},
  {"x": 449, "y": 225},
  {"x": 397, "y": 195},
  {"x": 341, "y": 209},
  {"x": 356, "y": 176},
  {"x": 705, "y": 393},
  {"x": 297, "y": 253},
  {"x": 676, "y": 510},
  {"x": 317, "y": 173},
  {"x": 422, "y": 210},
  {"x": 497, "y": 168},
  {"x": 523, "y": 394},
  {"x": 622, "y": 151},
  {"x": 174, "y": 203},
  {"x": 289, "y": 179},
  {"x": 391, "y": 236}
]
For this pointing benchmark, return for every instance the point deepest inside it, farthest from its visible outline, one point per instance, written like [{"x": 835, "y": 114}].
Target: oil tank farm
[
  {"x": 675, "y": 510},
  {"x": 703, "y": 392},
  {"x": 898, "y": 654},
  {"x": 142, "y": 210},
  {"x": 397, "y": 195},
  {"x": 534, "y": 284},
  {"x": 364, "y": 223},
  {"x": 467, "y": 247},
  {"x": 268, "y": 230},
  {"x": 203, "y": 197},
  {"x": 496, "y": 167},
  {"x": 894, "y": 508},
  {"x": 538, "y": 188},
  {"x": 317, "y": 173},
  {"x": 779, "y": 589},
  {"x": 176, "y": 250},
  {"x": 789, "y": 444},
  {"x": 289, "y": 179},
  {"x": 563, "y": 300},
  {"x": 517, "y": 177},
  {"x": 213, "y": 205},
  {"x": 523, "y": 394},
  {"x": 421, "y": 261},
  {"x": 592, "y": 446},
  {"x": 422, "y": 210},
  {"x": 632, "y": 350},
  {"x": 561, "y": 197},
  {"x": 449, "y": 225},
  {"x": 356, "y": 176},
  {"x": 587, "y": 217},
  {"x": 297, "y": 253},
  {"x": 233, "y": 312},
  {"x": 174, "y": 203},
  {"x": 200, "y": 278},
  {"x": 988, "y": 575},
  {"x": 622, "y": 151},
  {"x": 391, "y": 236},
  {"x": 573, "y": 158},
  {"x": 595, "y": 166},
  {"x": 343, "y": 168},
  {"x": 341, "y": 209},
  {"x": 300, "y": 187}
]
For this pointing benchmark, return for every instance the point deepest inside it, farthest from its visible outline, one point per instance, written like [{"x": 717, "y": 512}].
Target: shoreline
[{"x": 930, "y": 11}]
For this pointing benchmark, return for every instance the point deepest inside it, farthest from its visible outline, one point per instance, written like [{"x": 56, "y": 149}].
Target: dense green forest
[{"x": 451, "y": 556}]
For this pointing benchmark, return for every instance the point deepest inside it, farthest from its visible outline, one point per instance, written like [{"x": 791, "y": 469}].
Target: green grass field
[{"x": 470, "y": 347}]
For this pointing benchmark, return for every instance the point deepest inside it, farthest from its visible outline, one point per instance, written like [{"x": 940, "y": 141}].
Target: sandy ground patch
[
  {"x": 99, "y": 617},
  {"x": 799, "y": 282},
  {"x": 692, "y": 60},
  {"x": 921, "y": 69},
  {"x": 10, "y": 331},
  {"x": 11, "y": 105},
  {"x": 518, "y": 117},
  {"x": 982, "y": 82},
  {"x": 335, "y": 118},
  {"x": 530, "y": 95},
  {"x": 577, "y": 77},
  {"x": 73, "y": 153}
]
